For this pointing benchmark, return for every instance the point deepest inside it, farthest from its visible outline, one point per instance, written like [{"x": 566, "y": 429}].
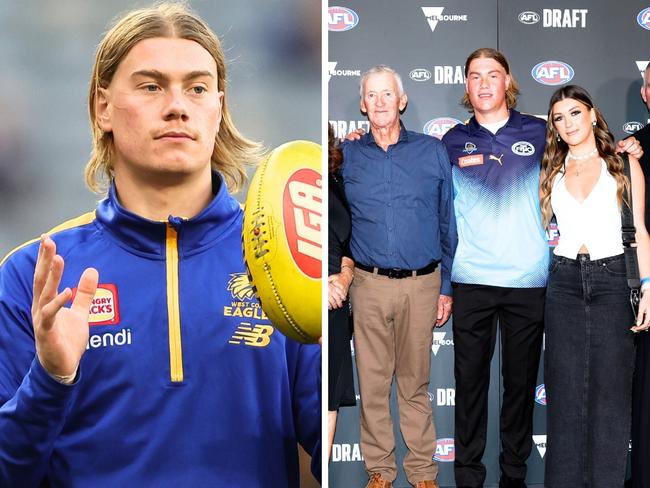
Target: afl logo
[
  {"x": 644, "y": 18},
  {"x": 528, "y": 18},
  {"x": 439, "y": 127},
  {"x": 523, "y": 148},
  {"x": 445, "y": 450},
  {"x": 341, "y": 19},
  {"x": 540, "y": 394},
  {"x": 632, "y": 127},
  {"x": 301, "y": 210},
  {"x": 552, "y": 73},
  {"x": 420, "y": 74},
  {"x": 552, "y": 235}
]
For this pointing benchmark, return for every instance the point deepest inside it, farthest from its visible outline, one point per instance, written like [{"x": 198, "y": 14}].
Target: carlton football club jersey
[{"x": 501, "y": 241}]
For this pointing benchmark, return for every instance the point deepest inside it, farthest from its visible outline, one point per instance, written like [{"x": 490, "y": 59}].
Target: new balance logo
[{"x": 258, "y": 336}]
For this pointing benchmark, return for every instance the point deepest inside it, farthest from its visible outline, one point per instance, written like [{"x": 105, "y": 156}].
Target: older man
[
  {"x": 145, "y": 380},
  {"x": 398, "y": 184}
]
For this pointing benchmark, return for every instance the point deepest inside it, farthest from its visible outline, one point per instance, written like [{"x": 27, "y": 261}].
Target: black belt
[{"x": 398, "y": 273}]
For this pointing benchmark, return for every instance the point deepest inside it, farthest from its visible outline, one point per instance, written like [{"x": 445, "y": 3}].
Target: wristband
[{"x": 645, "y": 283}]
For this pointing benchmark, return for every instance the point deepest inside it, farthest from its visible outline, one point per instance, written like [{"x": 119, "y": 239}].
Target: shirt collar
[
  {"x": 368, "y": 138},
  {"x": 148, "y": 237},
  {"x": 514, "y": 121}
]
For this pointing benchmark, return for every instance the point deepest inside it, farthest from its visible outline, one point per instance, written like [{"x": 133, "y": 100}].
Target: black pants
[
  {"x": 640, "y": 417},
  {"x": 520, "y": 313},
  {"x": 588, "y": 363}
]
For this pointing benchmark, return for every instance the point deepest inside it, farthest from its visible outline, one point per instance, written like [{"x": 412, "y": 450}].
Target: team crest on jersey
[
  {"x": 523, "y": 148},
  {"x": 470, "y": 147},
  {"x": 254, "y": 336},
  {"x": 244, "y": 305},
  {"x": 472, "y": 160},
  {"x": 240, "y": 286},
  {"x": 104, "y": 309}
]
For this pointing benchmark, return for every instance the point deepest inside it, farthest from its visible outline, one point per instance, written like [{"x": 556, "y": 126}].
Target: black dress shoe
[{"x": 507, "y": 482}]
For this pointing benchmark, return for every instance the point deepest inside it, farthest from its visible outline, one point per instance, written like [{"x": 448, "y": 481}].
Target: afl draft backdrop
[{"x": 600, "y": 45}]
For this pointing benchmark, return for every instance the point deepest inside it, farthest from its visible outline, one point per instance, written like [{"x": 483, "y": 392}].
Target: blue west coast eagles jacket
[{"x": 184, "y": 381}]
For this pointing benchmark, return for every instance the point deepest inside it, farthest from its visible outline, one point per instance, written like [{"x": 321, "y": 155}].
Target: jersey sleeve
[
  {"x": 447, "y": 219},
  {"x": 33, "y": 405}
]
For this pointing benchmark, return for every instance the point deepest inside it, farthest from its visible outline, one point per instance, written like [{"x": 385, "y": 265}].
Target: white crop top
[{"x": 596, "y": 222}]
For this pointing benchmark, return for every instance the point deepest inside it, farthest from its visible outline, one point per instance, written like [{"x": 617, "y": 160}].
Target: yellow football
[{"x": 281, "y": 238}]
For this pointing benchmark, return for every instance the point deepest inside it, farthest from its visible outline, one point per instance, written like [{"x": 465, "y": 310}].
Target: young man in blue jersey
[
  {"x": 500, "y": 268},
  {"x": 149, "y": 378}
]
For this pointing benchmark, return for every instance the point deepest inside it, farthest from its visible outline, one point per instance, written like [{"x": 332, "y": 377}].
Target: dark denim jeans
[{"x": 589, "y": 363}]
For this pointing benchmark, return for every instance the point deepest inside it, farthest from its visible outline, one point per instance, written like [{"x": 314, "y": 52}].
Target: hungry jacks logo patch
[{"x": 105, "y": 309}]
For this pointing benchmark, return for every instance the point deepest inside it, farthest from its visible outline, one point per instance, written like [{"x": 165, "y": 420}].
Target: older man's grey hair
[{"x": 381, "y": 68}]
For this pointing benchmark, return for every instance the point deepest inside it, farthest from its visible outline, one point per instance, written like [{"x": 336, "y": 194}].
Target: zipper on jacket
[{"x": 173, "y": 309}]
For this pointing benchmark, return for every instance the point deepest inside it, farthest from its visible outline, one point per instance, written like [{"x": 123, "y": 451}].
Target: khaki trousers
[{"x": 393, "y": 332}]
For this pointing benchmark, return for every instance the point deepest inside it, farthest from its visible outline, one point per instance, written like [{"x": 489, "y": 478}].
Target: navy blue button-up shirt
[{"x": 401, "y": 203}]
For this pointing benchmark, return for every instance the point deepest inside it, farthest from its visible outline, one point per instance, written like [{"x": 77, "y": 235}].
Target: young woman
[{"x": 589, "y": 322}]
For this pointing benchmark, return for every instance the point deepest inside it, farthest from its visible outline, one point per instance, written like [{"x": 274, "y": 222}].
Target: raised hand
[
  {"x": 631, "y": 146},
  {"x": 355, "y": 135},
  {"x": 61, "y": 333}
]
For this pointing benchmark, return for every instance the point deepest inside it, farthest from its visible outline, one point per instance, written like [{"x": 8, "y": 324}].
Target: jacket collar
[{"x": 148, "y": 237}]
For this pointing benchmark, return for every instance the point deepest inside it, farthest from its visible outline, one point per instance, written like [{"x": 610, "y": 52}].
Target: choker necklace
[{"x": 582, "y": 157}]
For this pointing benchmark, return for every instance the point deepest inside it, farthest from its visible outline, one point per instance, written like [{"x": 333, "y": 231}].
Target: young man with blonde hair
[{"x": 164, "y": 371}]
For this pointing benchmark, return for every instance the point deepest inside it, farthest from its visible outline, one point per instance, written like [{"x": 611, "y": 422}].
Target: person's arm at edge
[{"x": 642, "y": 241}]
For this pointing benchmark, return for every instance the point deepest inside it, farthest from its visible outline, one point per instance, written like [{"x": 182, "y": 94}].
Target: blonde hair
[
  {"x": 512, "y": 92},
  {"x": 556, "y": 151},
  {"x": 232, "y": 151}
]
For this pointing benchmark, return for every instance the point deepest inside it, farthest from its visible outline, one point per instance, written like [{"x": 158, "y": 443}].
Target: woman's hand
[{"x": 643, "y": 319}]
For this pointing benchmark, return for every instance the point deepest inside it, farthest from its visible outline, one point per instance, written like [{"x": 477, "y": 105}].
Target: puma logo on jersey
[
  {"x": 258, "y": 336},
  {"x": 498, "y": 159}
]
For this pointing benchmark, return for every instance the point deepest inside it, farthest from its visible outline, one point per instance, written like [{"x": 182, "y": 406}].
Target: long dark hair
[
  {"x": 334, "y": 154},
  {"x": 556, "y": 151}
]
